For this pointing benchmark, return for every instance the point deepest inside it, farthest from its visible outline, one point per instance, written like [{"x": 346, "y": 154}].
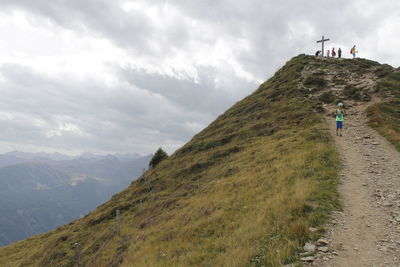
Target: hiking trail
[{"x": 367, "y": 231}]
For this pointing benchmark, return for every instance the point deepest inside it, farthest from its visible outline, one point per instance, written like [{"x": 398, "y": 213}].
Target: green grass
[
  {"x": 243, "y": 192},
  {"x": 385, "y": 116}
]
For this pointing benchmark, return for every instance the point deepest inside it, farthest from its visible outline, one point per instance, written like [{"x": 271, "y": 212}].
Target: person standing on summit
[
  {"x": 339, "y": 119},
  {"x": 339, "y": 53},
  {"x": 353, "y": 51}
]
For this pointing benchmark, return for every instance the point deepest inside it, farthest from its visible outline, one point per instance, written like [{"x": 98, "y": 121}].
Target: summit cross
[{"x": 323, "y": 40}]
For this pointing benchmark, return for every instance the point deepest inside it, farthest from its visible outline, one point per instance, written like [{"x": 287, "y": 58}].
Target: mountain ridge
[
  {"x": 56, "y": 156},
  {"x": 243, "y": 192}
]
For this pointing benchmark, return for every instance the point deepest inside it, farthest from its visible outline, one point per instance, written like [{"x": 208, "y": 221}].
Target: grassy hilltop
[{"x": 242, "y": 192}]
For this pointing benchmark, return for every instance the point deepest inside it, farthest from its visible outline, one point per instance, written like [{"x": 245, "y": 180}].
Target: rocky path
[{"x": 367, "y": 232}]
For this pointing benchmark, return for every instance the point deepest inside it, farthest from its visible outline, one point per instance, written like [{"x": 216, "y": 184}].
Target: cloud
[{"x": 129, "y": 76}]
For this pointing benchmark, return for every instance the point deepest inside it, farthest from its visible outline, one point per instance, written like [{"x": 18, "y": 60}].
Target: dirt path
[{"x": 367, "y": 232}]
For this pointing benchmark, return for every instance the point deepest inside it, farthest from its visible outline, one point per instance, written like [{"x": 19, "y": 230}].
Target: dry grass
[
  {"x": 385, "y": 116},
  {"x": 242, "y": 192}
]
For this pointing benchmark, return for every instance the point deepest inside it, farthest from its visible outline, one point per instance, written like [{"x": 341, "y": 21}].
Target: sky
[{"x": 127, "y": 76}]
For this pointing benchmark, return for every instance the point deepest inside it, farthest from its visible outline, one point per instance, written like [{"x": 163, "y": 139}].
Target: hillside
[
  {"x": 40, "y": 194},
  {"x": 244, "y": 191},
  {"x": 385, "y": 116}
]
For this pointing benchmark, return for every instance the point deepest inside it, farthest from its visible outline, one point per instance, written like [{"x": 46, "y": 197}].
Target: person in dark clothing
[
  {"x": 317, "y": 53},
  {"x": 339, "y": 53}
]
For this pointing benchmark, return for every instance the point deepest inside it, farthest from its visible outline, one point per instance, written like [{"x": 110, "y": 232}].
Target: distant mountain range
[
  {"x": 59, "y": 156},
  {"x": 41, "y": 191}
]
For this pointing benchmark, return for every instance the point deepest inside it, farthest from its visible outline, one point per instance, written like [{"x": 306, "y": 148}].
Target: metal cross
[{"x": 323, "y": 40}]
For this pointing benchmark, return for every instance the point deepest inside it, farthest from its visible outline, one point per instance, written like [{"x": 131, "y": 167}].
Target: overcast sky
[{"x": 130, "y": 76}]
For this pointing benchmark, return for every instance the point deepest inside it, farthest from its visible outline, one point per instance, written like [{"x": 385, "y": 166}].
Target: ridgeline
[{"x": 245, "y": 191}]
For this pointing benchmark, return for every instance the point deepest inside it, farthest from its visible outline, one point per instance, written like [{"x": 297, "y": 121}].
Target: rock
[
  {"x": 308, "y": 259},
  {"x": 367, "y": 137},
  {"x": 308, "y": 253},
  {"x": 375, "y": 143},
  {"x": 387, "y": 204},
  {"x": 383, "y": 249},
  {"x": 323, "y": 249},
  {"x": 308, "y": 247},
  {"x": 312, "y": 229},
  {"x": 322, "y": 242}
]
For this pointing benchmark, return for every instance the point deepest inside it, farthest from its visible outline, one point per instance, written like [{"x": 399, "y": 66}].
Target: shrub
[
  {"x": 383, "y": 71},
  {"x": 327, "y": 97},
  {"x": 315, "y": 81},
  {"x": 159, "y": 156},
  {"x": 352, "y": 92}
]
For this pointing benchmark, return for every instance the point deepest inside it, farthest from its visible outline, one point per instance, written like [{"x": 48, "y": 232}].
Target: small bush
[
  {"x": 383, "y": 71},
  {"x": 338, "y": 81},
  {"x": 315, "y": 81},
  {"x": 327, "y": 97},
  {"x": 159, "y": 156},
  {"x": 352, "y": 92}
]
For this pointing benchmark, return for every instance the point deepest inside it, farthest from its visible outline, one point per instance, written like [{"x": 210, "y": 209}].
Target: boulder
[
  {"x": 322, "y": 242},
  {"x": 308, "y": 259},
  {"x": 309, "y": 247}
]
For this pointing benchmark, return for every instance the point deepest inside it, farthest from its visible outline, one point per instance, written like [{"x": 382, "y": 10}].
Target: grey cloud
[
  {"x": 109, "y": 119},
  {"x": 265, "y": 25},
  {"x": 107, "y": 19},
  {"x": 150, "y": 109},
  {"x": 203, "y": 95}
]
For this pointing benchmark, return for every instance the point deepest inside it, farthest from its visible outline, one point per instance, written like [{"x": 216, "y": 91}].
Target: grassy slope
[
  {"x": 244, "y": 191},
  {"x": 385, "y": 116}
]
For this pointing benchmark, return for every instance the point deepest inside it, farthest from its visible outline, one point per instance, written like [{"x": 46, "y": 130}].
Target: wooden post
[
  {"x": 118, "y": 218},
  {"x": 148, "y": 184},
  {"x": 77, "y": 255}
]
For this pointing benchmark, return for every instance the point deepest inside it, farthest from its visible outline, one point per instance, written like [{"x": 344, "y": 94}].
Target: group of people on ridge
[
  {"x": 333, "y": 54},
  {"x": 353, "y": 52}
]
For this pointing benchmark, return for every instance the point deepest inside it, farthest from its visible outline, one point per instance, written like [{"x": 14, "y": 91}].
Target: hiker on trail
[
  {"x": 340, "y": 113},
  {"x": 339, "y": 53},
  {"x": 333, "y": 52},
  {"x": 318, "y": 53},
  {"x": 328, "y": 53},
  {"x": 353, "y": 51}
]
